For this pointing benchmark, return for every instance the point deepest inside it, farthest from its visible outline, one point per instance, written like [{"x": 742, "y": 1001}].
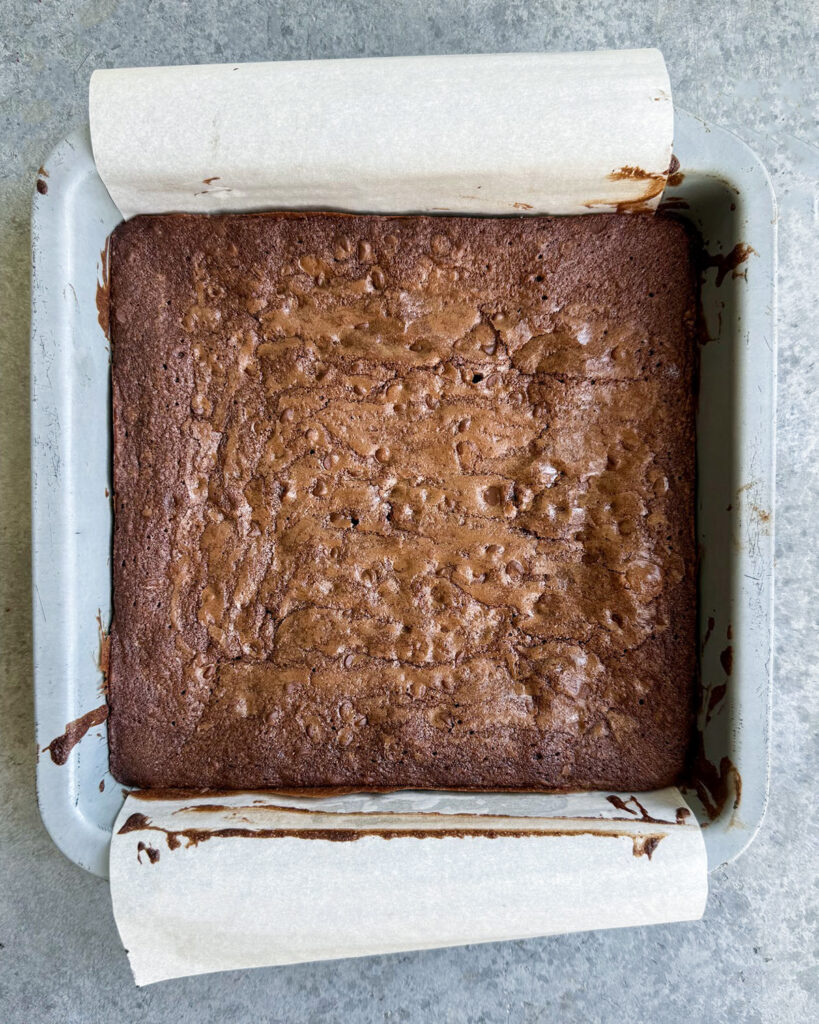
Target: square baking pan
[{"x": 721, "y": 188}]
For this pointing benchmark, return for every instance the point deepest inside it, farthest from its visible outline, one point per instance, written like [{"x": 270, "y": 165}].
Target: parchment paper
[
  {"x": 492, "y": 134},
  {"x": 389, "y": 872},
  {"x": 255, "y": 880}
]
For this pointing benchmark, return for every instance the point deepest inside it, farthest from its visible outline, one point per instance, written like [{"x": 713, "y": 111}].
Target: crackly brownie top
[{"x": 402, "y": 501}]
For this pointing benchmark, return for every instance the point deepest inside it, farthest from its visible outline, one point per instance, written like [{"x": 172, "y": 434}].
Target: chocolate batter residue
[
  {"x": 60, "y": 747},
  {"x": 104, "y": 652},
  {"x": 647, "y": 845},
  {"x": 713, "y": 784},
  {"x": 654, "y": 185},
  {"x": 727, "y": 263},
  {"x": 715, "y": 697},
  {"x": 674, "y": 174},
  {"x": 104, "y": 290},
  {"x": 279, "y": 809},
  {"x": 673, "y": 203},
  {"x": 152, "y": 852},
  {"x": 623, "y": 805},
  {"x": 642, "y": 844}
]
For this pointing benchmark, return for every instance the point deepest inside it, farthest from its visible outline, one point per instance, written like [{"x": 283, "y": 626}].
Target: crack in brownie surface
[{"x": 402, "y": 501}]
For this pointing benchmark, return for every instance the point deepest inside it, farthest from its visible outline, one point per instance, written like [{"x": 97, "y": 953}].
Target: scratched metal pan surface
[{"x": 724, "y": 191}]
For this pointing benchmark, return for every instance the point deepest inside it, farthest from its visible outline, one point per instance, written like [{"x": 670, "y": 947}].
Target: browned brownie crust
[{"x": 402, "y": 501}]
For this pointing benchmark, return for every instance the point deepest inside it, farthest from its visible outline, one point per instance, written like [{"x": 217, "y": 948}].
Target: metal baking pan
[{"x": 724, "y": 191}]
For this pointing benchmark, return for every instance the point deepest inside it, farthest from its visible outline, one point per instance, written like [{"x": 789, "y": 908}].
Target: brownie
[{"x": 402, "y": 502}]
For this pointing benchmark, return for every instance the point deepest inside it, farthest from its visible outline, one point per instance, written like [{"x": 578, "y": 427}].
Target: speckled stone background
[{"x": 749, "y": 65}]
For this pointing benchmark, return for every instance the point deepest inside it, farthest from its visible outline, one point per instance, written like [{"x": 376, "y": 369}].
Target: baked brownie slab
[{"x": 402, "y": 501}]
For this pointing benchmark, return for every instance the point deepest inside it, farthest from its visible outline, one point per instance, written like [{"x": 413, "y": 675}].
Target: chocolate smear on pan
[
  {"x": 709, "y": 630},
  {"x": 60, "y": 747},
  {"x": 670, "y": 203},
  {"x": 716, "y": 695},
  {"x": 727, "y": 263},
  {"x": 104, "y": 656},
  {"x": 104, "y": 290},
  {"x": 674, "y": 175}
]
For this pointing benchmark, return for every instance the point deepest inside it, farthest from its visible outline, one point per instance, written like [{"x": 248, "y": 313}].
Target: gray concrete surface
[{"x": 747, "y": 65}]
